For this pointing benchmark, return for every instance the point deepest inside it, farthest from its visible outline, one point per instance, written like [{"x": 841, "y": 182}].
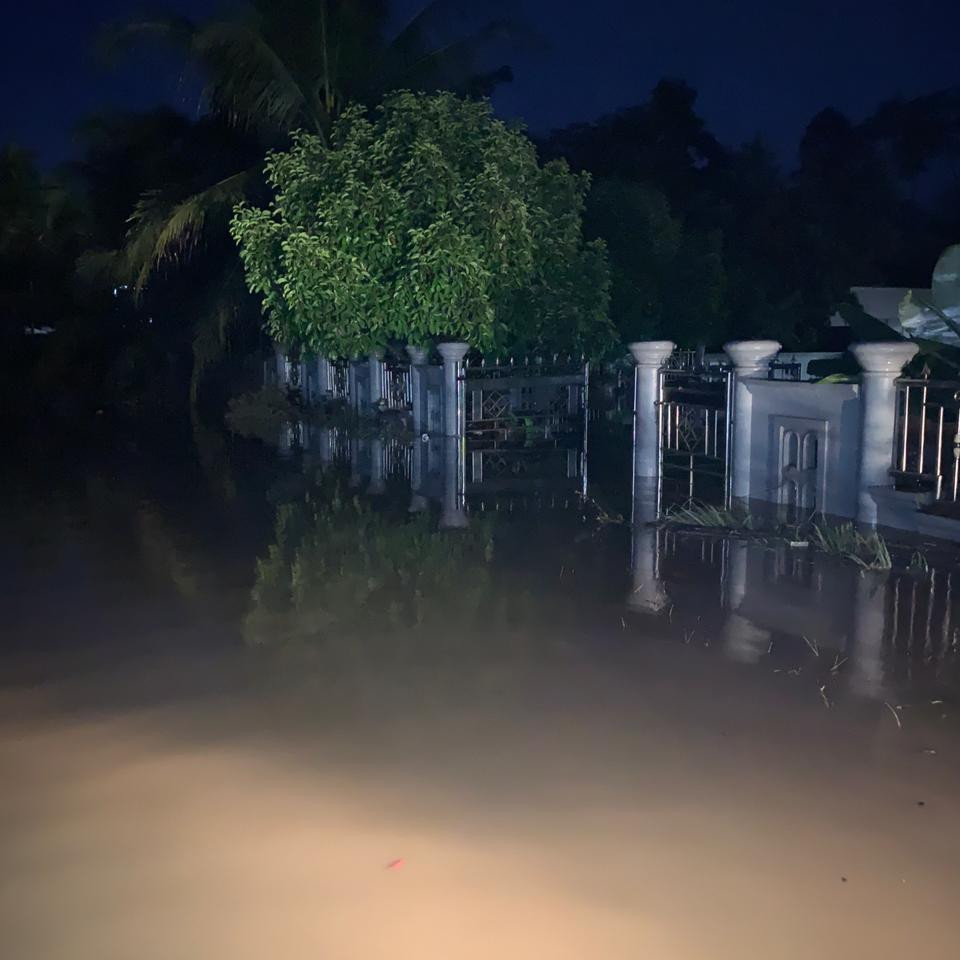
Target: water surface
[{"x": 257, "y": 706}]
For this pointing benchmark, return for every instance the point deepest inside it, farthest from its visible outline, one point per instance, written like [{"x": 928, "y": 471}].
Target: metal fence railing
[
  {"x": 396, "y": 386},
  {"x": 927, "y": 439},
  {"x": 548, "y": 395},
  {"x": 340, "y": 379},
  {"x": 695, "y": 422}
]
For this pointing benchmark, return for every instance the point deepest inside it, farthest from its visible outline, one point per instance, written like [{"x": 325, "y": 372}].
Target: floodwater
[{"x": 255, "y": 707}]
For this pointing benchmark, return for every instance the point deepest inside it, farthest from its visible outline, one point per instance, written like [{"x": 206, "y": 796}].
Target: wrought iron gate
[{"x": 694, "y": 424}]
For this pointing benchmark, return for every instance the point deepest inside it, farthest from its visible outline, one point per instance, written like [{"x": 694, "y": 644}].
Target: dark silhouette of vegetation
[
  {"x": 127, "y": 254},
  {"x": 278, "y": 67},
  {"x": 767, "y": 253}
]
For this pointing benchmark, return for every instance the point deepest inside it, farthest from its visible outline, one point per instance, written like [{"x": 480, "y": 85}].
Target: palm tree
[{"x": 280, "y": 66}]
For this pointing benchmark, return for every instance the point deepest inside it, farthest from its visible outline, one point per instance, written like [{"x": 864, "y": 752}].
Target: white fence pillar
[
  {"x": 750, "y": 359},
  {"x": 453, "y": 514},
  {"x": 418, "y": 360},
  {"x": 881, "y": 364},
  {"x": 743, "y": 640},
  {"x": 375, "y": 361},
  {"x": 324, "y": 377},
  {"x": 649, "y": 356},
  {"x": 452, "y": 354},
  {"x": 647, "y": 591},
  {"x": 869, "y": 621}
]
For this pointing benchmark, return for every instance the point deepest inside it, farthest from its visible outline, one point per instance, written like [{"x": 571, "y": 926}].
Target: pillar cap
[
  {"x": 454, "y": 350},
  {"x": 650, "y": 353},
  {"x": 751, "y": 354},
  {"x": 418, "y": 355},
  {"x": 888, "y": 357}
]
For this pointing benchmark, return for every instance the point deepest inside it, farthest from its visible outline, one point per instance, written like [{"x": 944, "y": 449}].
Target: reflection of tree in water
[{"x": 339, "y": 568}]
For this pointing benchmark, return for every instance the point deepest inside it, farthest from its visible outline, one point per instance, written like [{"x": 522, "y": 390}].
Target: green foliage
[
  {"x": 868, "y": 550},
  {"x": 430, "y": 221},
  {"x": 338, "y": 568},
  {"x": 267, "y": 68},
  {"x": 667, "y": 278},
  {"x": 261, "y": 414},
  {"x": 696, "y": 514}
]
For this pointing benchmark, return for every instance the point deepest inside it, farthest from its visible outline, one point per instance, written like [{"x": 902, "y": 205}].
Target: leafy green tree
[
  {"x": 274, "y": 67},
  {"x": 433, "y": 220}
]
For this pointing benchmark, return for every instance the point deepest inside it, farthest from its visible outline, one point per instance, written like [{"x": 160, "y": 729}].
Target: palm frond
[
  {"x": 451, "y": 66},
  {"x": 250, "y": 83},
  {"x": 162, "y": 229},
  {"x": 245, "y": 79}
]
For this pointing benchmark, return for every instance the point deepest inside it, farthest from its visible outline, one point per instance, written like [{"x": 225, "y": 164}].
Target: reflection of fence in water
[
  {"x": 921, "y": 616},
  {"x": 927, "y": 445},
  {"x": 532, "y": 465},
  {"x": 920, "y": 610},
  {"x": 397, "y": 459}
]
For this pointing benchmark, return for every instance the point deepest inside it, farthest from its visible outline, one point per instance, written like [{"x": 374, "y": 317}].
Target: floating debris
[
  {"x": 896, "y": 716},
  {"x": 838, "y": 663},
  {"x": 823, "y": 696},
  {"x": 812, "y": 644}
]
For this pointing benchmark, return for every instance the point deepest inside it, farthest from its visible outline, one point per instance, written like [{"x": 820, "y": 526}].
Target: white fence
[{"x": 840, "y": 449}]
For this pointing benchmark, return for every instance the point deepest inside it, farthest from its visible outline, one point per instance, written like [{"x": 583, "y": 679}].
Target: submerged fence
[
  {"x": 548, "y": 395},
  {"x": 695, "y": 421},
  {"x": 927, "y": 444}
]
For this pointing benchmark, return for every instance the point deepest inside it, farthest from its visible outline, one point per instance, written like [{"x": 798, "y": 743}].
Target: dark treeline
[
  {"x": 709, "y": 242},
  {"x": 125, "y": 253}
]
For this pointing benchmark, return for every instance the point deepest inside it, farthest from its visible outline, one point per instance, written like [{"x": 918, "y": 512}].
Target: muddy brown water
[{"x": 582, "y": 740}]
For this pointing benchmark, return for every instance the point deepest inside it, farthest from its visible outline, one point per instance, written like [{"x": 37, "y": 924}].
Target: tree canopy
[{"x": 430, "y": 220}]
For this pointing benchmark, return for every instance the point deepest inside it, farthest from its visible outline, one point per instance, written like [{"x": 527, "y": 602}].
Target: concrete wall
[{"x": 804, "y": 444}]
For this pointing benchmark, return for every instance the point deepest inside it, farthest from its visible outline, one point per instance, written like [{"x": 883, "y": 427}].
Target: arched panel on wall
[
  {"x": 791, "y": 449},
  {"x": 809, "y": 451},
  {"x": 799, "y": 467}
]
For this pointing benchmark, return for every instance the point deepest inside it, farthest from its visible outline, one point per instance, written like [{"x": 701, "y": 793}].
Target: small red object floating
[{"x": 396, "y": 864}]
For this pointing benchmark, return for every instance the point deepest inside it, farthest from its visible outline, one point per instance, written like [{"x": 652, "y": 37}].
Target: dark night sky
[{"x": 760, "y": 66}]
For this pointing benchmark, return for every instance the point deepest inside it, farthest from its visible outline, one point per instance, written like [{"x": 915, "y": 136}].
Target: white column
[
  {"x": 869, "y": 621},
  {"x": 647, "y": 592},
  {"x": 750, "y": 359},
  {"x": 453, "y": 514},
  {"x": 377, "y": 481},
  {"x": 649, "y": 356},
  {"x": 419, "y": 452},
  {"x": 354, "y": 399},
  {"x": 743, "y": 640},
  {"x": 452, "y": 354},
  {"x": 881, "y": 364},
  {"x": 325, "y": 446},
  {"x": 324, "y": 381},
  {"x": 375, "y": 361},
  {"x": 418, "y": 360}
]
